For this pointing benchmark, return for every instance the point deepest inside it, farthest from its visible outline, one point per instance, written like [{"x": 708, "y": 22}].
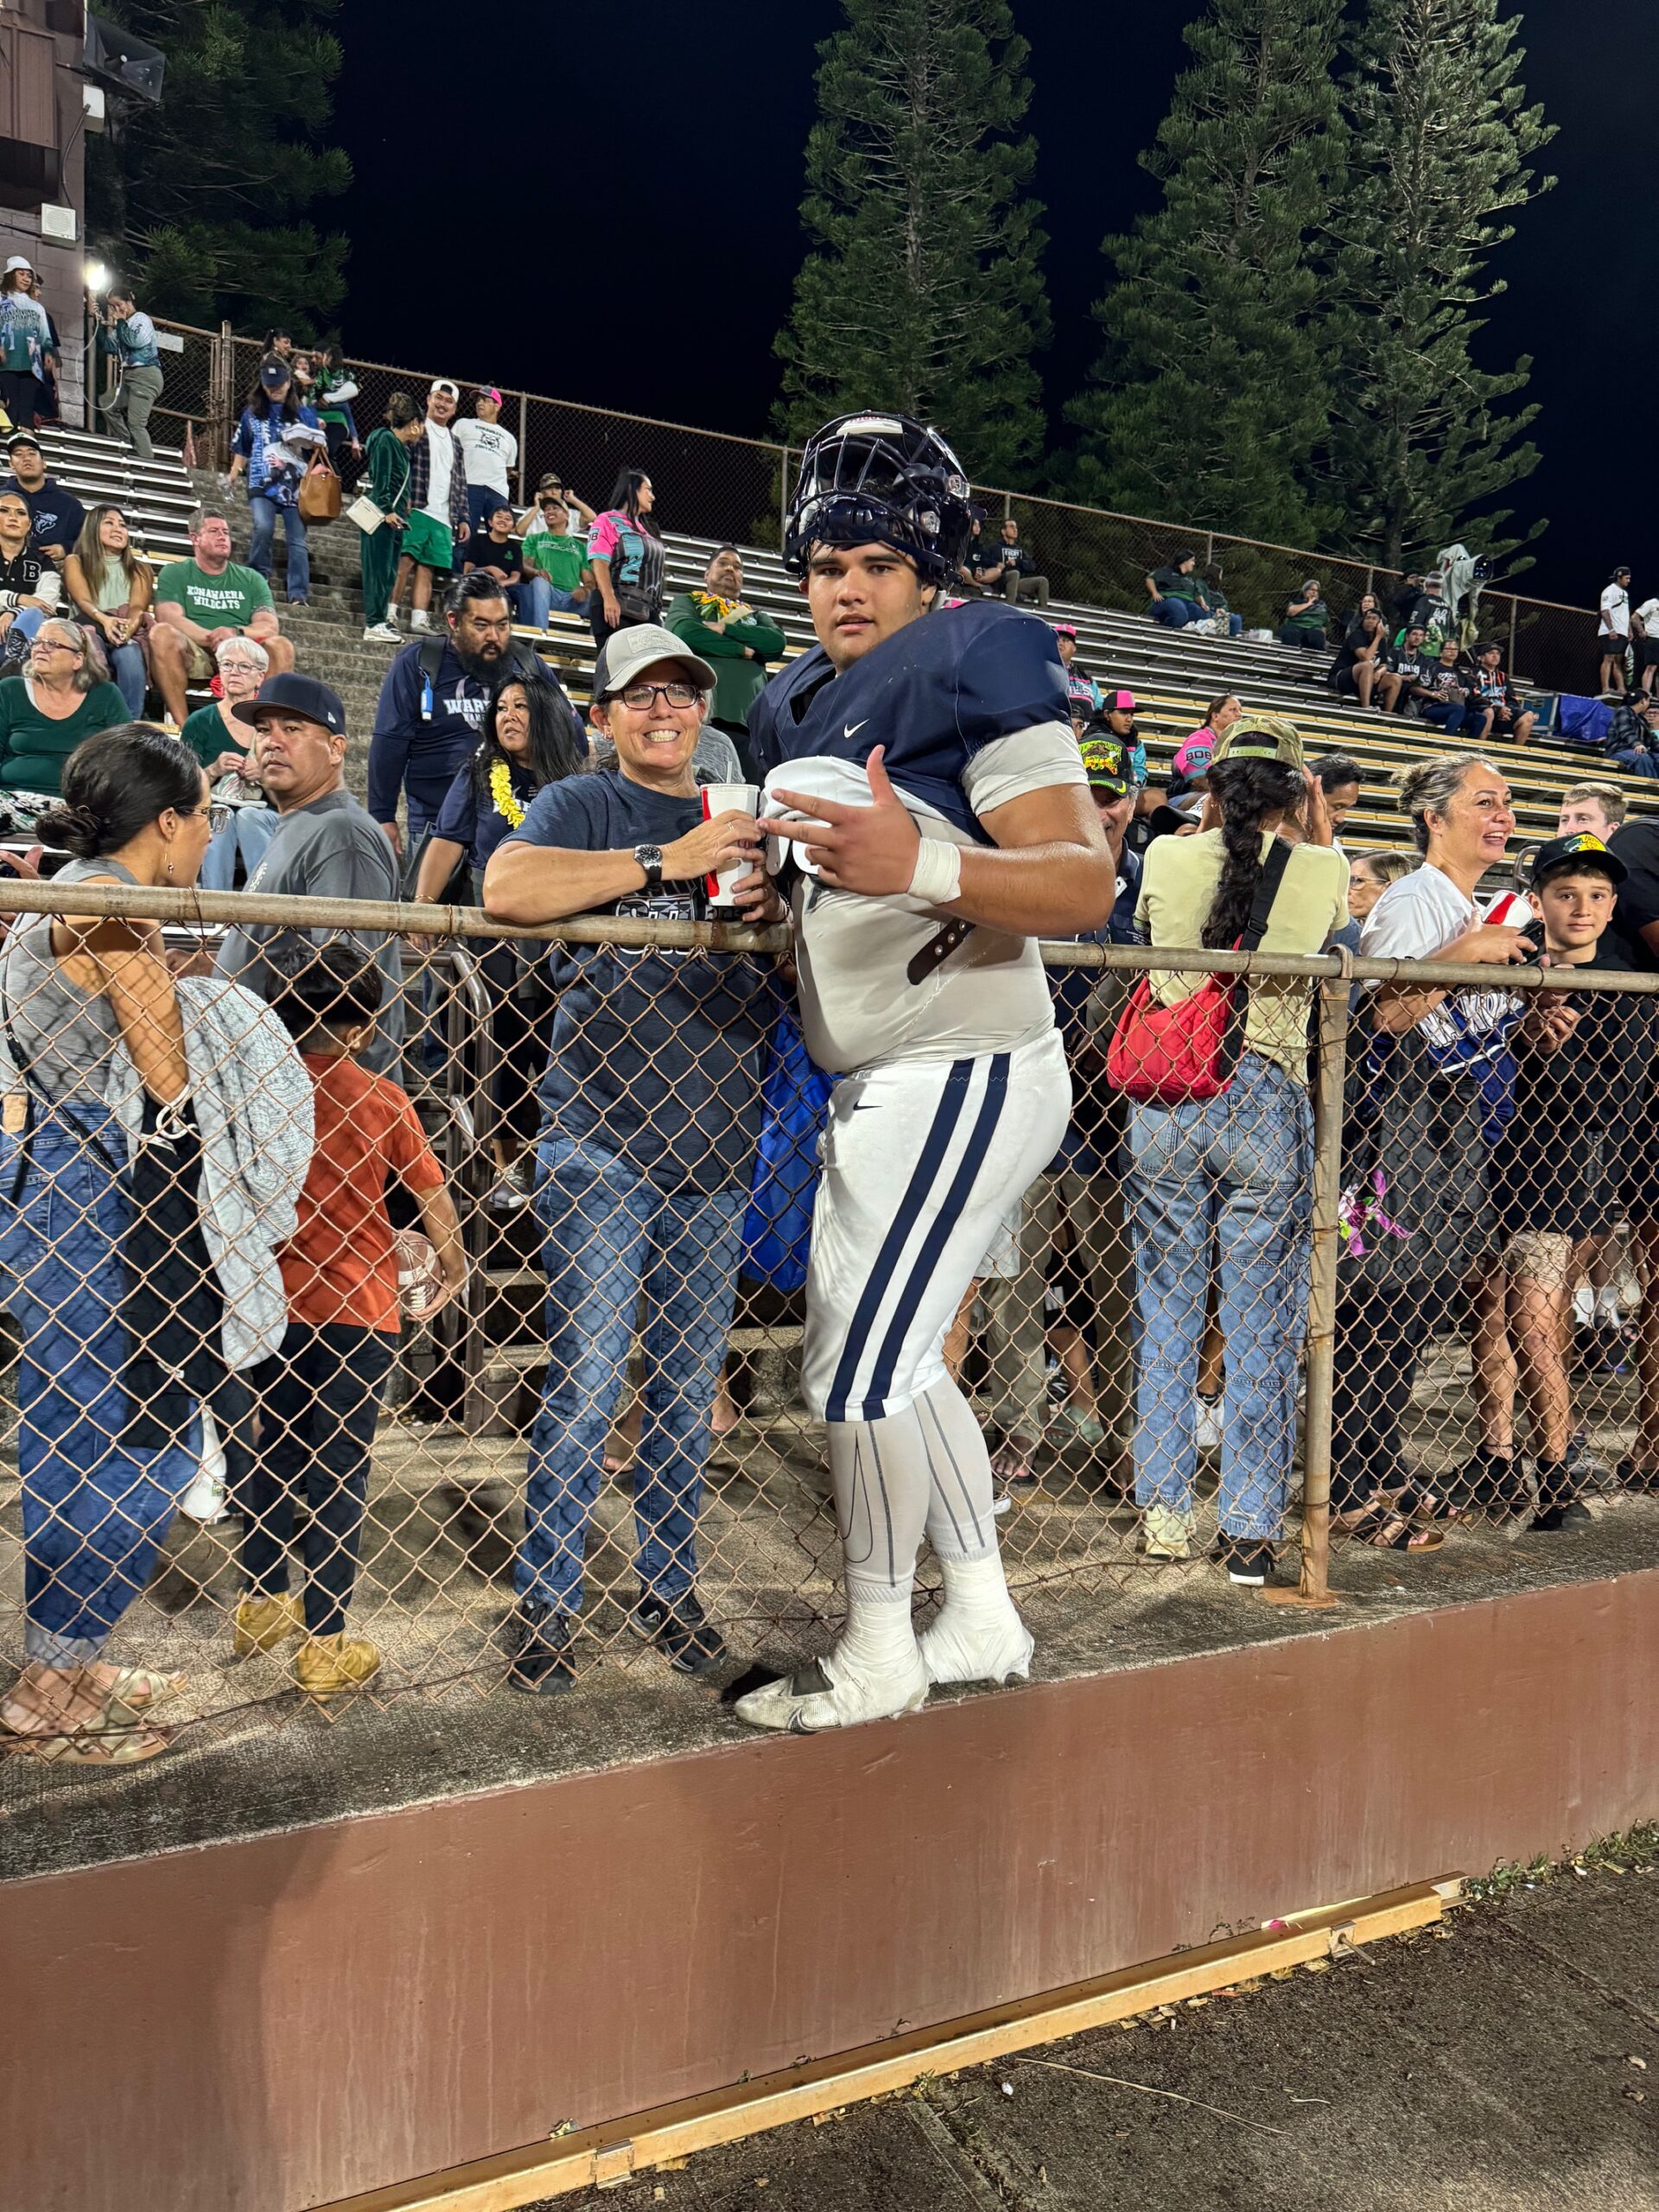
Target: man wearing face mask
[{"x": 433, "y": 700}]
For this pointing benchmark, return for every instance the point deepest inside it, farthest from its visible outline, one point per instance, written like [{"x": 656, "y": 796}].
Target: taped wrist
[{"x": 936, "y": 878}]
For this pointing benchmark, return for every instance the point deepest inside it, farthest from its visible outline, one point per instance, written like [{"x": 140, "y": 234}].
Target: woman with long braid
[{"x": 1231, "y": 1175}]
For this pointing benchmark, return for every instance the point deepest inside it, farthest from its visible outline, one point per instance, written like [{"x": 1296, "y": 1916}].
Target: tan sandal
[
  {"x": 138, "y": 1690},
  {"x": 118, "y": 1746}
]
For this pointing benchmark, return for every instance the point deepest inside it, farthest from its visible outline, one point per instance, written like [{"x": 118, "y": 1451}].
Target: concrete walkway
[{"x": 1489, "y": 2066}]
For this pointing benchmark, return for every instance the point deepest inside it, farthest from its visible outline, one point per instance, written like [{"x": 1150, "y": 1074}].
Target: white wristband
[{"x": 936, "y": 878}]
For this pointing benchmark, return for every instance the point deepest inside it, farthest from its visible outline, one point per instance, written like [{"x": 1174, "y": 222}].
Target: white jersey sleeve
[{"x": 1039, "y": 759}]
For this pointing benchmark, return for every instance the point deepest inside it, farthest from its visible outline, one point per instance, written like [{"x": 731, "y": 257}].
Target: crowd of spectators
[{"x": 1148, "y": 1303}]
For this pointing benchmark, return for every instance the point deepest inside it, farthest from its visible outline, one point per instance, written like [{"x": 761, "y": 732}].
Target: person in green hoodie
[
  {"x": 388, "y": 488},
  {"x": 715, "y": 623}
]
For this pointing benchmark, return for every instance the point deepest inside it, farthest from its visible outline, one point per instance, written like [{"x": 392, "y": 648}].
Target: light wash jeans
[
  {"x": 95, "y": 1511},
  {"x": 261, "y": 543},
  {"x": 610, "y": 1235},
  {"x": 127, "y": 673},
  {"x": 1234, "y": 1172},
  {"x": 532, "y": 599},
  {"x": 248, "y": 832}
]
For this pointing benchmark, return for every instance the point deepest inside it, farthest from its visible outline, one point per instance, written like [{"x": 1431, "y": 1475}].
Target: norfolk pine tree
[
  {"x": 1441, "y": 140},
  {"x": 1214, "y": 388},
  {"x": 205, "y": 198},
  {"x": 922, "y": 290}
]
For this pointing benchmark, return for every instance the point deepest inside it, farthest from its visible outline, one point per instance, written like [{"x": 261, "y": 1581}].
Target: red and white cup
[{"x": 729, "y": 799}]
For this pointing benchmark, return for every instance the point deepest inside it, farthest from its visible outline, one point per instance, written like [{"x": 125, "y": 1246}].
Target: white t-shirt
[
  {"x": 990, "y": 994},
  {"x": 1418, "y": 918},
  {"x": 1648, "y": 615},
  {"x": 487, "y": 452},
  {"x": 442, "y": 447},
  {"x": 1616, "y": 612}
]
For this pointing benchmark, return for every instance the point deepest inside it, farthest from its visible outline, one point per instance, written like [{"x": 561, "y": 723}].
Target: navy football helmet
[{"x": 880, "y": 479}]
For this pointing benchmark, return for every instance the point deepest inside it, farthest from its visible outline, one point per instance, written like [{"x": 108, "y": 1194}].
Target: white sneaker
[
  {"x": 420, "y": 619},
  {"x": 382, "y": 633},
  {"x": 816, "y": 1698},
  {"x": 988, "y": 1651},
  {"x": 1209, "y": 1423},
  {"x": 204, "y": 1500}
]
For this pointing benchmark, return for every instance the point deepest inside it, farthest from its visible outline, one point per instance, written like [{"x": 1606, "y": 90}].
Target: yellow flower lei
[{"x": 501, "y": 793}]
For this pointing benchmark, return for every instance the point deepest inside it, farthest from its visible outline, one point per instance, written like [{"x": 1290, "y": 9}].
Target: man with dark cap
[{"x": 327, "y": 846}]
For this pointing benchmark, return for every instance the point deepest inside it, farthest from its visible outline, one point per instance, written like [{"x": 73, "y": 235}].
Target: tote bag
[{"x": 1173, "y": 1055}]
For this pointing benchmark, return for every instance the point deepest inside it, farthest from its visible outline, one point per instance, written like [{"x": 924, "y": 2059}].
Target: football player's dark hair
[
  {"x": 1246, "y": 790},
  {"x": 625, "y": 497}
]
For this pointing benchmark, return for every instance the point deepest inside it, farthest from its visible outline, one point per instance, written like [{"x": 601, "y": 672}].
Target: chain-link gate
[{"x": 318, "y": 1379}]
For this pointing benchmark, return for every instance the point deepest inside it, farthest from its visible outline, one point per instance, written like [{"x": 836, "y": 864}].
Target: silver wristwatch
[{"x": 650, "y": 858}]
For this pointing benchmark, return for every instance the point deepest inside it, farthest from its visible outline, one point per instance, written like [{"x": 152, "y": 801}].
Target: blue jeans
[
  {"x": 1636, "y": 764},
  {"x": 1445, "y": 715},
  {"x": 249, "y": 831},
  {"x": 1176, "y": 613},
  {"x": 529, "y": 600},
  {"x": 265, "y": 512},
  {"x": 481, "y": 504},
  {"x": 128, "y": 674},
  {"x": 609, "y": 1235},
  {"x": 1234, "y": 1170},
  {"x": 95, "y": 1511}
]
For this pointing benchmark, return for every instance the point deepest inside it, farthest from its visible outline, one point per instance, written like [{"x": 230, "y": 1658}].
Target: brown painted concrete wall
[{"x": 262, "y": 2026}]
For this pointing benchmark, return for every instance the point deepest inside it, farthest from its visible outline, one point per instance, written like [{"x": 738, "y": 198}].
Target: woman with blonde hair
[{"x": 112, "y": 590}]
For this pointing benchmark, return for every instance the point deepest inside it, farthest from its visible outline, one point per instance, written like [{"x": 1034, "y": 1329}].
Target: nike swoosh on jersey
[{"x": 851, "y": 729}]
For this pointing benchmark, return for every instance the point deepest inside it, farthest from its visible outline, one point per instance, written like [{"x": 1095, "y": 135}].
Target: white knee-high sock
[{"x": 880, "y": 1484}]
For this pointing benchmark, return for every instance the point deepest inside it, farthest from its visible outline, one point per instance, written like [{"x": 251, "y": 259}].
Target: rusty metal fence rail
[
  {"x": 711, "y": 484},
  {"x": 1315, "y": 1317}
]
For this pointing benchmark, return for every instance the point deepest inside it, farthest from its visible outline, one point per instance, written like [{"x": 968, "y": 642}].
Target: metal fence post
[
  {"x": 1329, "y": 1073},
  {"x": 1509, "y": 657},
  {"x": 524, "y": 441},
  {"x": 783, "y": 497}
]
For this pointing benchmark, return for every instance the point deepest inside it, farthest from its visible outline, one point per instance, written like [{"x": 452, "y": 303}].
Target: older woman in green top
[
  {"x": 45, "y": 714},
  {"x": 212, "y": 733}
]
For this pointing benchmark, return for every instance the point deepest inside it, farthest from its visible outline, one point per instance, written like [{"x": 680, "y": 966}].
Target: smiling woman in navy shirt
[{"x": 528, "y": 740}]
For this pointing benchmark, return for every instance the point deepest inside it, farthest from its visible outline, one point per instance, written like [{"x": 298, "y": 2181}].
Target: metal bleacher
[{"x": 1173, "y": 674}]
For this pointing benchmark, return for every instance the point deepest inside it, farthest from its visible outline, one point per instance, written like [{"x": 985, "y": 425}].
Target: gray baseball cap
[{"x": 628, "y": 654}]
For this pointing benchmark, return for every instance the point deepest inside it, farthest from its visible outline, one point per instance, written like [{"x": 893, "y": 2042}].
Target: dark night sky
[{"x": 534, "y": 269}]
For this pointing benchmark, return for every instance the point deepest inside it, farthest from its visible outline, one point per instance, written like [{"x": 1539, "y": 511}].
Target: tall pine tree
[
  {"x": 1441, "y": 143},
  {"x": 1214, "y": 388},
  {"x": 207, "y": 197},
  {"x": 923, "y": 290}
]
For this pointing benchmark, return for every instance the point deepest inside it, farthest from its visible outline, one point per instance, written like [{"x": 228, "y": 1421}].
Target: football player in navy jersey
[{"x": 925, "y": 784}]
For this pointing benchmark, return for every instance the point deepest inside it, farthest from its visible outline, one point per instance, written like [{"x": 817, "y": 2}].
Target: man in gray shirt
[{"x": 326, "y": 847}]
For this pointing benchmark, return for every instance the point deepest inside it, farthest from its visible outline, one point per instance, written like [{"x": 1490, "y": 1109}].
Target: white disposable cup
[{"x": 729, "y": 799}]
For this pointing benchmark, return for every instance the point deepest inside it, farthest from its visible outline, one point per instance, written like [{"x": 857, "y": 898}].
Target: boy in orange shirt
[{"x": 318, "y": 1400}]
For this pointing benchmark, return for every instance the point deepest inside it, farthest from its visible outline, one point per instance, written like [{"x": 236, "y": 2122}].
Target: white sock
[
  {"x": 1584, "y": 1305},
  {"x": 1607, "y": 1310},
  {"x": 420, "y": 619},
  {"x": 878, "y": 1640},
  {"x": 976, "y": 1591}
]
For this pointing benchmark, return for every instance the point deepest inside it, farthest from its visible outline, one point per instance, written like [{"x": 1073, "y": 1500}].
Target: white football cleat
[
  {"x": 957, "y": 1651},
  {"x": 816, "y": 1698}
]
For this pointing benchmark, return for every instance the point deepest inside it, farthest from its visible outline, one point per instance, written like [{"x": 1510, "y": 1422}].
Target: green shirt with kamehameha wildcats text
[{"x": 227, "y": 601}]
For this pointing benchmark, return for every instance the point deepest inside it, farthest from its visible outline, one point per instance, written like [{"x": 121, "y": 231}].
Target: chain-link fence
[
  {"x": 712, "y": 485},
  {"x": 321, "y": 1387}
]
